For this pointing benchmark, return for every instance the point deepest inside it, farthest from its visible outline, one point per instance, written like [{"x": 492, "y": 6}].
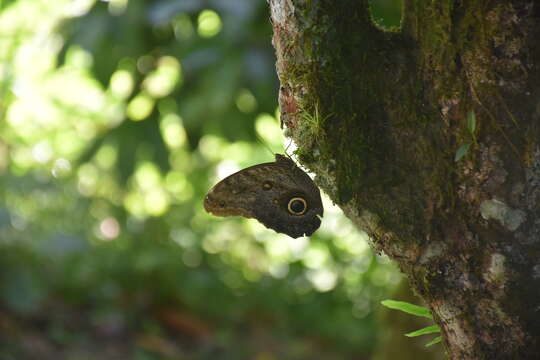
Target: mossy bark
[{"x": 379, "y": 116}]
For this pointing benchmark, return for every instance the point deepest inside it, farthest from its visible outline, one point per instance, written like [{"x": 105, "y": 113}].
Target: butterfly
[{"x": 278, "y": 194}]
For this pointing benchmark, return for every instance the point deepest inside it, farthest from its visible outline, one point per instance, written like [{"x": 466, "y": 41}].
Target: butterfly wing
[{"x": 279, "y": 195}]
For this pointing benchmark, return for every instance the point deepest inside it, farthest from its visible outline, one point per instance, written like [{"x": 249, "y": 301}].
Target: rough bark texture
[{"x": 379, "y": 116}]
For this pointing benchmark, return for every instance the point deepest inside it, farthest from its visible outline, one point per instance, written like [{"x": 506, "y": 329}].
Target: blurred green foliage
[{"x": 115, "y": 119}]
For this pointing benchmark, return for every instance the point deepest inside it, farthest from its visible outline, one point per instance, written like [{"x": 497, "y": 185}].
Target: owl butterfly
[{"x": 278, "y": 194}]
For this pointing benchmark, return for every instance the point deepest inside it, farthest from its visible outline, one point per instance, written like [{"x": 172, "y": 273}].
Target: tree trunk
[{"x": 380, "y": 117}]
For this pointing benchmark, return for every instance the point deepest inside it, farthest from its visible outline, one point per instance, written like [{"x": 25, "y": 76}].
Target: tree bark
[{"x": 379, "y": 117}]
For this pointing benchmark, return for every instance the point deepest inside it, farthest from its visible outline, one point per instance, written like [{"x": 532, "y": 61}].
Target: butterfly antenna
[
  {"x": 259, "y": 139},
  {"x": 288, "y": 145},
  {"x": 287, "y": 148}
]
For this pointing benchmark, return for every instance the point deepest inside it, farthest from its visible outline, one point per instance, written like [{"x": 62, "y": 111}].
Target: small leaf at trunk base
[
  {"x": 408, "y": 308},
  {"x": 461, "y": 152},
  {"x": 426, "y": 330},
  {"x": 471, "y": 121},
  {"x": 434, "y": 341}
]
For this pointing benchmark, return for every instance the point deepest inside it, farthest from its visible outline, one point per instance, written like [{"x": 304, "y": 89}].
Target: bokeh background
[{"x": 116, "y": 117}]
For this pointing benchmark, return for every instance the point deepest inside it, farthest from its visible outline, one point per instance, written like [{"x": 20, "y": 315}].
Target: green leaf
[
  {"x": 461, "y": 151},
  {"x": 434, "y": 341},
  {"x": 427, "y": 330},
  {"x": 471, "y": 121},
  {"x": 408, "y": 308}
]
